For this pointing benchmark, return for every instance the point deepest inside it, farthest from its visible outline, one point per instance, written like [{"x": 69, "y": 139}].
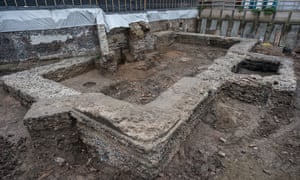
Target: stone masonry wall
[
  {"x": 41, "y": 45},
  {"x": 118, "y": 38},
  {"x": 48, "y": 44}
]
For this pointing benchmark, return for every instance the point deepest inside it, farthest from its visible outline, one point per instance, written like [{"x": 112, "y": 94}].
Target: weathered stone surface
[
  {"x": 141, "y": 40},
  {"x": 218, "y": 41},
  {"x": 31, "y": 85},
  {"x": 48, "y": 44},
  {"x": 126, "y": 48},
  {"x": 144, "y": 138},
  {"x": 108, "y": 62}
]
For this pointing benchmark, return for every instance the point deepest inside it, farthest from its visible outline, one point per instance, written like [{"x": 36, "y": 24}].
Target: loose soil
[
  {"x": 236, "y": 140},
  {"x": 141, "y": 82}
]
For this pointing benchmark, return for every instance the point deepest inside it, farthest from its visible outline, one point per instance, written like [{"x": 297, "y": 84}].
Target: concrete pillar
[
  {"x": 213, "y": 25},
  {"x": 224, "y": 28},
  {"x": 248, "y": 30},
  {"x": 277, "y": 28},
  {"x": 203, "y": 26},
  {"x": 261, "y": 31},
  {"x": 235, "y": 28},
  {"x": 292, "y": 36}
]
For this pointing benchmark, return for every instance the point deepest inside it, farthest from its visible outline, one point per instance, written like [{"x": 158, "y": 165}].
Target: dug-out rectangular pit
[
  {"x": 262, "y": 68},
  {"x": 142, "y": 81}
]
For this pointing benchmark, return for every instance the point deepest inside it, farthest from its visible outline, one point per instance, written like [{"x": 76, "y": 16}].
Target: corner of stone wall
[
  {"x": 106, "y": 59},
  {"x": 141, "y": 40},
  {"x": 55, "y": 136},
  {"x": 280, "y": 103},
  {"x": 107, "y": 62}
]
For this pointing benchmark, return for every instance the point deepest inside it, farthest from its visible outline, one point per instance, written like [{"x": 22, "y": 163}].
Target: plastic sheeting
[
  {"x": 25, "y": 20},
  {"x": 123, "y": 20}
]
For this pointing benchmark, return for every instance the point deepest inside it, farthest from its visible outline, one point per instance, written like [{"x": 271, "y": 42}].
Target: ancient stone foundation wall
[
  {"x": 55, "y": 137},
  {"x": 48, "y": 44},
  {"x": 120, "y": 41},
  {"x": 143, "y": 138},
  {"x": 74, "y": 41}
]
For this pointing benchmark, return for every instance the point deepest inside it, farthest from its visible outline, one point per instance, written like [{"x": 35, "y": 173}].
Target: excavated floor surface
[
  {"x": 141, "y": 82},
  {"x": 257, "y": 145}
]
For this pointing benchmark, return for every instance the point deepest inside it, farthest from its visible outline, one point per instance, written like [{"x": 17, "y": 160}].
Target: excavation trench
[
  {"x": 142, "y": 81},
  {"x": 138, "y": 116}
]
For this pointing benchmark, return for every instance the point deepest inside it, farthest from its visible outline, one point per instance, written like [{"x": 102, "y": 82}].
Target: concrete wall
[{"x": 281, "y": 28}]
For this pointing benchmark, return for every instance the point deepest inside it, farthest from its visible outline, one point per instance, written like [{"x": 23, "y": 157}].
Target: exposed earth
[
  {"x": 236, "y": 140},
  {"x": 142, "y": 81}
]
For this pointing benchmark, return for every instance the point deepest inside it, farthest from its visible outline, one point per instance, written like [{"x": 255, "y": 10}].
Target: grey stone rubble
[{"x": 144, "y": 138}]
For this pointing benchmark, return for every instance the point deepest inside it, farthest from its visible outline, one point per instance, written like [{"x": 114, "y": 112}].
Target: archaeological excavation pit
[
  {"x": 260, "y": 67},
  {"x": 142, "y": 81},
  {"x": 136, "y": 117}
]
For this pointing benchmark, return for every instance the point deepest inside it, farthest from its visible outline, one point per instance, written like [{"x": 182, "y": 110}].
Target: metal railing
[
  {"x": 106, "y": 5},
  {"x": 282, "y": 5}
]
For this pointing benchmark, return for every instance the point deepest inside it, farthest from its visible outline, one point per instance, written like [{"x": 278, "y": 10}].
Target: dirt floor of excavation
[
  {"x": 246, "y": 142},
  {"x": 141, "y": 82}
]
